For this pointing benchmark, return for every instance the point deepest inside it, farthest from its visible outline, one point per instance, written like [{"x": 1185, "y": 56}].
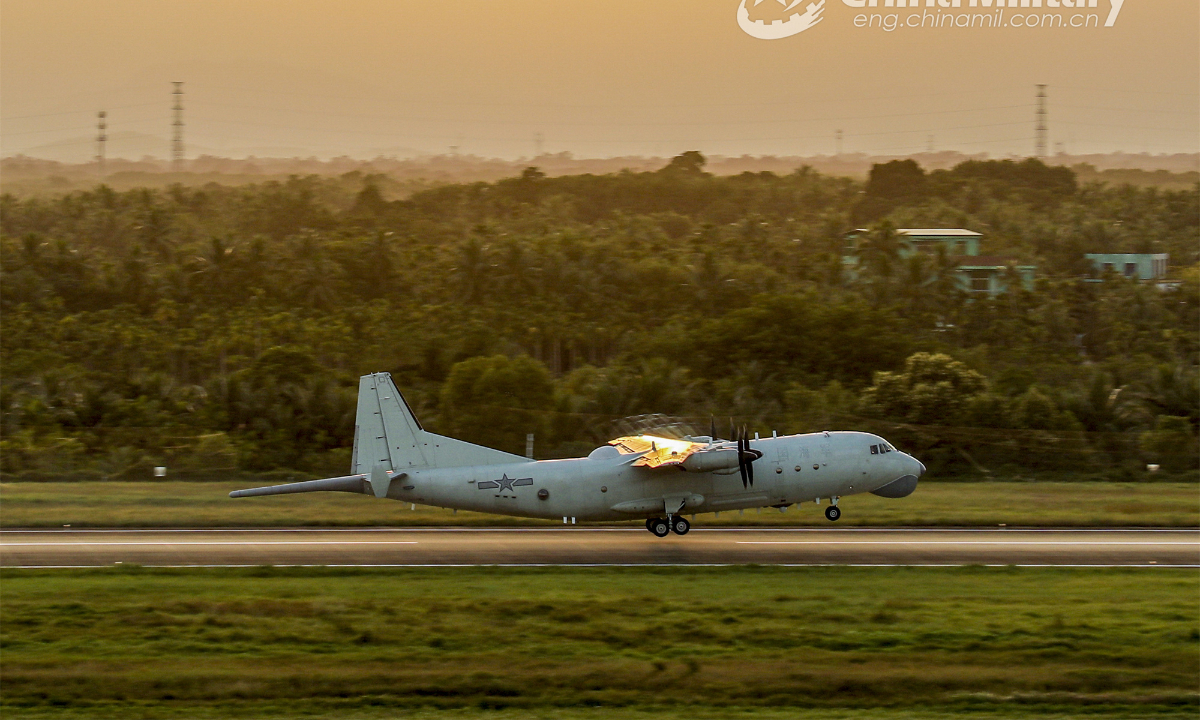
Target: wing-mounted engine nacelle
[{"x": 711, "y": 460}]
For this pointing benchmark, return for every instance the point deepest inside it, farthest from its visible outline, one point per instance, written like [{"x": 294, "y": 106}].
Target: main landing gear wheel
[
  {"x": 659, "y": 527},
  {"x": 832, "y": 513},
  {"x": 680, "y": 526}
]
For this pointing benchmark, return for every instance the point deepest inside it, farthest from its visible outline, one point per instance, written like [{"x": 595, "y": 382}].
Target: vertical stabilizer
[
  {"x": 387, "y": 436},
  {"x": 386, "y": 433},
  {"x": 388, "y": 444}
]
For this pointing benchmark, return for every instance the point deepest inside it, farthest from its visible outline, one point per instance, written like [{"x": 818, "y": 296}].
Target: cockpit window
[{"x": 874, "y": 449}]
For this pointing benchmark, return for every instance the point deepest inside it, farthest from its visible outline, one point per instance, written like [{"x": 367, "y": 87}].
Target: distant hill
[
  {"x": 126, "y": 144},
  {"x": 46, "y": 174}
]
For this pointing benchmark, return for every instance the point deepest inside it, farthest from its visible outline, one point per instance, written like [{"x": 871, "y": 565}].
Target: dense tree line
[{"x": 225, "y": 327}]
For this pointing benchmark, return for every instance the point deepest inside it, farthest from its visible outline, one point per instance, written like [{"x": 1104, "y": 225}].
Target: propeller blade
[
  {"x": 741, "y": 466},
  {"x": 747, "y": 456}
]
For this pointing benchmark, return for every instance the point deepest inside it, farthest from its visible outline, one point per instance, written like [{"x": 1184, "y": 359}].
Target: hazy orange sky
[{"x": 367, "y": 77}]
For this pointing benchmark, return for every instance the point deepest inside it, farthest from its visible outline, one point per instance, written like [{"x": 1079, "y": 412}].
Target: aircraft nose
[{"x": 920, "y": 467}]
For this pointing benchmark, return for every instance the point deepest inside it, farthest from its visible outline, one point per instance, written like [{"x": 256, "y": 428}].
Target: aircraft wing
[{"x": 661, "y": 452}]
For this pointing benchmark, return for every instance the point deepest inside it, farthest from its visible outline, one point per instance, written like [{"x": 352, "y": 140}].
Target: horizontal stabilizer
[{"x": 349, "y": 483}]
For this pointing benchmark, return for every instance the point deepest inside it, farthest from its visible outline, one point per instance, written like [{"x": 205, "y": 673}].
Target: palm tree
[{"x": 879, "y": 252}]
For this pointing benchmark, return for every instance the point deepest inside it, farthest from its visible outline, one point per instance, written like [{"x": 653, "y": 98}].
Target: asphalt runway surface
[{"x": 450, "y": 547}]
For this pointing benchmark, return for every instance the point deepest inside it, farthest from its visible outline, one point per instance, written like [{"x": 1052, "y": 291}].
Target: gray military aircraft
[{"x": 657, "y": 478}]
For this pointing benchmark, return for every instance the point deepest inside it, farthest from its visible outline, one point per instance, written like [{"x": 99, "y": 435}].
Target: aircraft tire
[
  {"x": 832, "y": 513},
  {"x": 660, "y": 527},
  {"x": 680, "y": 526}
]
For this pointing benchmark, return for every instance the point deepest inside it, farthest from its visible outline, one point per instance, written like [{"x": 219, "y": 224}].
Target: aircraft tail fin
[
  {"x": 388, "y": 434},
  {"x": 389, "y": 442}
]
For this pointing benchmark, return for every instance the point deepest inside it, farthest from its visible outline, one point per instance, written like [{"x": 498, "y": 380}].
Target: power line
[
  {"x": 807, "y": 100},
  {"x": 401, "y": 134},
  {"x": 607, "y": 123},
  {"x": 1040, "y": 138},
  {"x": 1153, "y": 128},
  {"x": 1139, "y": 109},
  {"x": 1139, "y": 92},
  {"x": 75, "y": 128},
  {"x": 71, "y": 112},
  {"x": 523, "y": 122}
]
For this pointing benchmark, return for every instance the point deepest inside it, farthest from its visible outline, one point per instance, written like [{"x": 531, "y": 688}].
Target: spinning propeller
[
  {"x": 746, "y": 454},
  {"x": 746, "y": 457}
]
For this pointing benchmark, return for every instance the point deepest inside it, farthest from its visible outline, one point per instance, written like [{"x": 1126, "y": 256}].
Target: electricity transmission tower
[
  {"x": 1041, "y": 143},
  {"x": 101, "y": 137},
  {"x": 177, "y": 137}
]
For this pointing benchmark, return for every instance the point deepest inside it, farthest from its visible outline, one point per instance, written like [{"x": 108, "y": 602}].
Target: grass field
[
  {"x": 599, "y": 643},
  {"x": 184, "y": 504}
]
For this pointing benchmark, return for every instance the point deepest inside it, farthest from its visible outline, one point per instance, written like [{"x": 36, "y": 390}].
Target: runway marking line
[
  {"x": 208, "y": 542},
  {"x": 764, "y": 529},
  {"x": 967, "y": 542},
  {"x": 626, "y": 565},
  {"x": 235, "y": 543}
]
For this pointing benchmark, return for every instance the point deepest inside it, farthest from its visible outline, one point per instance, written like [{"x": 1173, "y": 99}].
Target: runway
[{"x": 411, "y": 547}]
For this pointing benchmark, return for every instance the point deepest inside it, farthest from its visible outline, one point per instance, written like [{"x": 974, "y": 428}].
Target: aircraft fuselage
[
  {"x": 661, "y": 479},
  {"x": 605, "y": 485}
]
